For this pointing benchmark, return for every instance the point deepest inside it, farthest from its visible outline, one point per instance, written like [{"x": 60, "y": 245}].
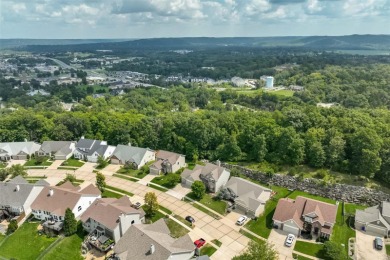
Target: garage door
[
  {"x": 114, "y": 161},
  {"x": 291, "y": 230},
  {"x": 377, "y": 230}
]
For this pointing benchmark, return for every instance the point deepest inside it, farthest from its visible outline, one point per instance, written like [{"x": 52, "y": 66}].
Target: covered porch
[{"x": 99, "y": 240}]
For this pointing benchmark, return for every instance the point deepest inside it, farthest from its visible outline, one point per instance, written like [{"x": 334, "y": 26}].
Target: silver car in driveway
[{"x": 289, "y": 240}]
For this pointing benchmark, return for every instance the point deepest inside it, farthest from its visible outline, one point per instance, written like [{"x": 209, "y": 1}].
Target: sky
[{"x": 100, "y": 19}]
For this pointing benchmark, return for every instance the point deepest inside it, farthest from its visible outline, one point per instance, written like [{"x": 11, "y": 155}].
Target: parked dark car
[
  {"x": 137, "y": 205},
  {"x": 190, "y": 219}
]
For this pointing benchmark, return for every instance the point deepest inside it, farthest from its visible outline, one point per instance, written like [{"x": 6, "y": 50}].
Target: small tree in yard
[
  {"x": 151, "y": 204},
  {"x": 258, "y": 251},
  {"x": 334, "y": 251},
  {"x": 70, "y": 177},
  {"x": 16, "y": 170},
  {"x": 100, "y": 181},
  {"x": 198, "y": 189},
  {"x": 70, "y": 223},
  {"x": 101, "y": 162},
  {"x": 172, "y": 179},
  {"x": 12, "y": 227}
]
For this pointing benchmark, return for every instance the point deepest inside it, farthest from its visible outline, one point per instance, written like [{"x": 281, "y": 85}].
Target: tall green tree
[
  {"x": 151, "y": 204},
  {"x": 101, "y": 181},
  {"x": 334, "y": 251},
  {"x": 258, "y": 251},
  {"x": 198, "y": 189},
  {"x": 70, "y": 223}
]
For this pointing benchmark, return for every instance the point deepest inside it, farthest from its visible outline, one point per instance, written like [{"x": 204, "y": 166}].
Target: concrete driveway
[
  {"x": 87, "y": 167},
  {"x": 277, "y": 238},
  {"x": 365, "y": 247},
  {"x": 14, "y": 162},
  {"x": 55, "y": 164}
]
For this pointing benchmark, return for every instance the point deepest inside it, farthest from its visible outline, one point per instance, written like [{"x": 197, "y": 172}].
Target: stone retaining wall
[{"x": 341, "y": 192}]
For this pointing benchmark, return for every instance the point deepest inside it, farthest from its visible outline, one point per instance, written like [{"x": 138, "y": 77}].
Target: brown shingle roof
[
  {"x": 64, "y": 196},
  {"x": 107, "y": 211},
  {"x": 288, "y": 209}
]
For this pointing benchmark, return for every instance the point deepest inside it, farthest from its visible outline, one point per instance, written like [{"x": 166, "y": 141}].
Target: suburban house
[
  {"x": 374, "y": 219},
  {"x": 305, "y": 216},
  {"x": 110, "y": 218},
  {"x": 134, "y": 156},
  {"x": 89, "y": 150},
  {"x": 52, "y": 202},
  {"x": 213, "y": 176},
  {"x": 17, "y": 195},
  {"x": 18, "y": 150},
  {"x": 167, "y": 162},
  {"x": 153, "y": 242},
  {"x": 248, "y": 197},
  {"x": 60, "y": 150}
]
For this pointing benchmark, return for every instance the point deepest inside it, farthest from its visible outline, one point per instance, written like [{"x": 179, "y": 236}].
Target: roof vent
[
  {"x": 17, "y": 188},
  {"x": 152, "y": 249},
  {"x": 51, "y": 192}
]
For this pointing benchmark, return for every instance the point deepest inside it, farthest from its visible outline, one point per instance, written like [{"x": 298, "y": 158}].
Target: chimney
[
  {"x": 218, "y": 163},
  {"x": 17, "y": 188},
  {"x": 82, "y": 137},
  {"x": 129, "y": 144},
  {"x": 51, "y": 192},
  {"x": 152, "y": 249}
]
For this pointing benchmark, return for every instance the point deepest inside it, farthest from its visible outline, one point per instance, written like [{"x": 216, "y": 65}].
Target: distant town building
[{"x": 269, "y": 82}]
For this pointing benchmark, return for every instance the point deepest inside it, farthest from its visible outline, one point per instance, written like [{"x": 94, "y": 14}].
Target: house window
[{"x": 79, "y": 208}]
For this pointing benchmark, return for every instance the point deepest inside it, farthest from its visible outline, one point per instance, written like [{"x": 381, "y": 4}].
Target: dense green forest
[{"x": 231, "y": 125}]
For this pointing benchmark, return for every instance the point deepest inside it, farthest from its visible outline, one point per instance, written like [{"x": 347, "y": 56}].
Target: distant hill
[
  {"x": 349, "y": 42},
  {"x": 11, "y": 43}
]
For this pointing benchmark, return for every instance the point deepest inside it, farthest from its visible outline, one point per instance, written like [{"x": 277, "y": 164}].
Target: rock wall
[{"x": 340, "y": 192}]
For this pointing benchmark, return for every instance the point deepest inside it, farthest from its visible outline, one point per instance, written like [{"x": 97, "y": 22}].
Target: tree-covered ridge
[{"x": 348, "y": 140}]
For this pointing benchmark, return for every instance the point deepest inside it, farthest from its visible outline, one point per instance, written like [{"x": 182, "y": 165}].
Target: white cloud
[
  {"x": 19, "y": 7},
  {"x": 314, "y": 6},
  {"x": 257, "y": 6}
]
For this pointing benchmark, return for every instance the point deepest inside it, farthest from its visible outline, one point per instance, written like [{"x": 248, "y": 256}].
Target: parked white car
[
  {"x": 289, "y": 240},
  {"x": 241, "y": 220}
]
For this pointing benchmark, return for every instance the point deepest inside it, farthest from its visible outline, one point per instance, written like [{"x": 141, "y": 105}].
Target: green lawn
[
  {"x": 151, "y": 185},
  {"x": 207, "y": 250},
  {"x": 33, "y": 162},
  {"x": 72, "y": 163},
  {"x": 68, "y": 248},
  {"x": 182, "y": 220},
  {"x": 110, "y": 194},
  {"x": 25, "y": 243},
  {"x": 1, "y": 238},
  {"x": 2, "y": 165},
  {"x": 136, "y": 173},
  {"x": 388, "y": 250},
  {"x": 297, "y": 193},
  {"x": 312, "y": 249},
  {"x": 169, "y": 212},
  {"x": 283, "y": 92},
  {"x": 216, "y": 242},
  {"x": 156, "y": 216},
  {"x": 164, "y": 180},
  {"x": 341, "y": 230},
  {"x": 119, "y": 190},
  {"x": 214, "y": 204},
  {"x": 176, "y": 229},
  {"x": 203, "y": 209},
  {"x": 299, "y": 257},
  {"x": 263, "y": 225},
  {"x": 125, "y": 177}
]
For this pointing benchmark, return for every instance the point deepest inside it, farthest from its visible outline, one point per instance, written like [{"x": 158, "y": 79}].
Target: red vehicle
[{"x": 200, "y": 242}]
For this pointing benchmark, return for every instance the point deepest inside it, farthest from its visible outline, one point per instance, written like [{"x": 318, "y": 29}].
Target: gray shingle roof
[
  {"x": 128, "y": 153},
  {"x": 15, "y": 148},
  {"x": 9, "y": 195},
  {"x": 85, "y": 143},
  {"x": 385, "y": 208},
  {"x": 248, "y": 192},
  {"x": 136, "y": 242},
  {"x": 55, "y": 146},
  {"x": 373, "y": 214}
]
